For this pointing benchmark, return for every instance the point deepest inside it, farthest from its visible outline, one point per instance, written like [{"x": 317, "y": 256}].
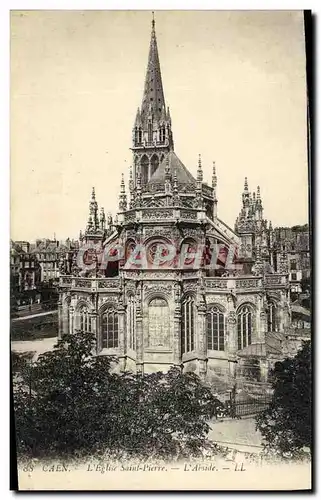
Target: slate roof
[{"x": 175, "y": 165}]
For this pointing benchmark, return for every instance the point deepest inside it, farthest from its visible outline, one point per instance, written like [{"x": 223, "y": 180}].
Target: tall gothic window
[
  {"x": 158, "y": 323},
  {"x": 150, "y": 132},
  {"x": 66, "y": 316},
  {"x": 154, "y": 164},
  {"x": 272, "y": 318},
  {"x": 244, "y": 327},
  {"x": 131, "y": 323},
  {"x": 215, "y": 329},
  {"x": 84, "y": 319},
  {"x": 109, "y": 329},
  {"x": 188, "y": 325},
  {"x": 144, "y": 169}
]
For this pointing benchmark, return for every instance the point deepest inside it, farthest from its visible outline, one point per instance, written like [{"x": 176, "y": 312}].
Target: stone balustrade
[
  {"x": 89, "y": 284},
  {"x": 247, "y": 282},
  {"x": 237, "y": 283}
]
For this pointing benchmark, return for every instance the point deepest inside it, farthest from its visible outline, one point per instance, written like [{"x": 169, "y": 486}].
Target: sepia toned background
[{"x": 234, "y": 81}]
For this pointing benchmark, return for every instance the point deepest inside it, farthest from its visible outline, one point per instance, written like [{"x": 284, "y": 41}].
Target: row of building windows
[{"x": 159, "y": 325}]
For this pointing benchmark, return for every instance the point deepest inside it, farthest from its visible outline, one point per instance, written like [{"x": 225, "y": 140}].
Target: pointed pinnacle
[
  {"x": 199, "y": 169},
  {"x": 93, "y": 195},
  {"x": 122, "y": 184},
  {"x": 258, "y": 193},
  {"x": 246, "y": 186},
  {"x": 214, "y": 178},
  {"x": 175, "y": 178}
]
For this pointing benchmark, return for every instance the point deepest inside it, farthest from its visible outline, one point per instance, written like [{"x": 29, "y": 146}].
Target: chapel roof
[{"x": 175, "y": 166}]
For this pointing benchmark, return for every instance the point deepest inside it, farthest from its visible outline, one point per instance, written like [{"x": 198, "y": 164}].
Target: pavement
[
  {"x": 36, "y": 346},
  {"x": 237, "y": 434}
]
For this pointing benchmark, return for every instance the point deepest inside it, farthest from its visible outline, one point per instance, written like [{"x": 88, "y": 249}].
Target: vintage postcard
[{"x": 160, "y": 250}]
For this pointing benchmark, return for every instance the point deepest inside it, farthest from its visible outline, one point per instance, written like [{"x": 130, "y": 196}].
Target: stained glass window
[
  {"x": 272, "y": 317},
  {"x": 131, "y": 320},
  {"x": 109, "y": 329},
  {"x": 244, "y": 327},
  {"x": 84, "y": 319},
  {"x": 188, "y": 321},
  {"x": 215, "y": 329},
  {"x": 158, "y": 323}
]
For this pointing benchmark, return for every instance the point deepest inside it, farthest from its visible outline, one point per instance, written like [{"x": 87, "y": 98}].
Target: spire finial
[
  {"x": 214, "y": 178},
  {"x": 167, "y": 168},
  {"x": 153, "y": 22},
  {"x": 258, "y": 194},
  {"x": 246, "y": 186},
  {"x": 122, "y": 196},
  {"x": 93, "y": 194},
  {"x": 199, "y": 170}
]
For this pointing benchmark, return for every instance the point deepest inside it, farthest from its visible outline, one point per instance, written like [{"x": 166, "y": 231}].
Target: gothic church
[{"x": 208, "y": 320}]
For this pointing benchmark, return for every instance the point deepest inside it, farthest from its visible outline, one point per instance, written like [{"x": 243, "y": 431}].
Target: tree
[
  {"x": 71, "y": 401},
  {"x": 286, "y": 424}
]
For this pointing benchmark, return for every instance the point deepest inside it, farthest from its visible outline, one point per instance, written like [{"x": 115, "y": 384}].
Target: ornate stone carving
[
  {"x": 158, "y": 231},
  {"x": 159, "y": 275},
  {"x": 130, "y": 287},
  {"x": 188, "y": 214},
  {"x": 131, "y": 233},
  {"x": 247, "y": 283},
  {"x": 108, "y": 283},
  {"x": 130, "y": 217},
  {"x": 165, "y": 288},
  {"x": 214, "y": 300},
  {"x": 190, "y": 286},
  {"x": 153, "y": 202},
  {"x": 133, "y": 274},
  {"x": 157, "y": 214},
  {"x": 243, "y": 299},
  {"x": 177, "y": 292},
  {"x": 66, "y": 280},
  {"x": 192, "y": 233},
  {"x": 103, "y": 300},
  {"x": 83, "y": 283},
  {"x": 231, "y": 318},
  {"x": 273, "y": 280},
  {"x": 215, "y": 283}
]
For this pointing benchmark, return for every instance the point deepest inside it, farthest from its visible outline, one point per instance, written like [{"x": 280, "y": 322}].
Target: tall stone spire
[
  {"x": 153, "y": 98},
  {"x": 152, "y": 132}
]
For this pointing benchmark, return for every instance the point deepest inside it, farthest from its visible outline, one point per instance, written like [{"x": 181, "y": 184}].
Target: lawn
[{"x": 35, "y": 328}]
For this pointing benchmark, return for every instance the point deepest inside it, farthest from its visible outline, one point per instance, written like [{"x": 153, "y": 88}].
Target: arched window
[
  {"x": 150, "y": 132},
  {"x": 188, "y": 323},
  {"x": 109, "y": 329},
  {"x": 158, "y": 323},
  {"x": 84, "y": 319},
  {"x": 154, "y": 164},
  {"x": 272, "y": 317},
  {"x": 131, "y": 323},
  {"x": 244, "y": 327},
  {"x": 215, "y": 328},
  {"x": 66, "y": 316},
  {"x": 144, "y": 169}
]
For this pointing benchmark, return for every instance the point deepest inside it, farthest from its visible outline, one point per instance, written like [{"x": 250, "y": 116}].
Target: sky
[{"x": 234, "y": 82}]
